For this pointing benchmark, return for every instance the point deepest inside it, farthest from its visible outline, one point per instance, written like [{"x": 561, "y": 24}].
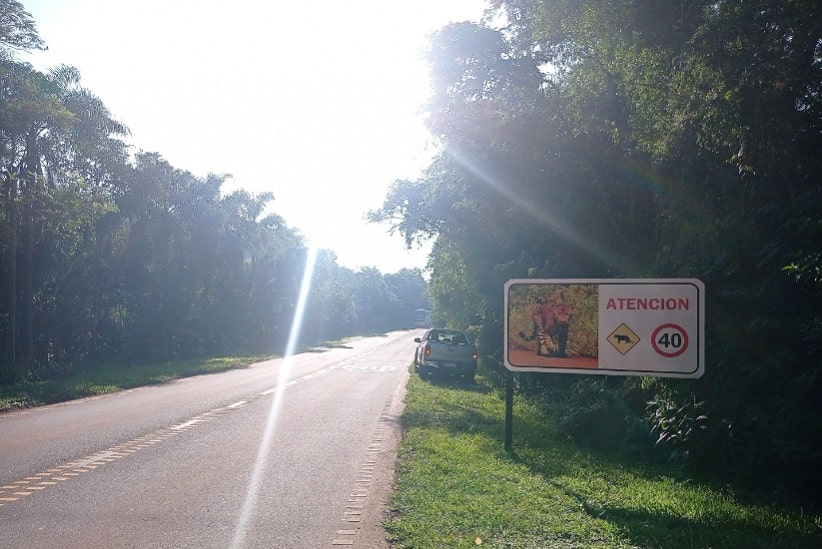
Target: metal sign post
[{"x": 509, "y": 411}]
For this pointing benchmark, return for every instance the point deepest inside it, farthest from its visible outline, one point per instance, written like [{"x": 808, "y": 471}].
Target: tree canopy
[
  {"x": 607, "y": 138},
  {"x": 110, "y": 254},
  {"x": 17, "y": 28}
]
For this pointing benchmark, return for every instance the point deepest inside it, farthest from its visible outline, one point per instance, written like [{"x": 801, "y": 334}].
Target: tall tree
[
  {"x": 675, "y": 140},
  {"x": 17, "y": 29},
  {"x": 58, "y": 135}
]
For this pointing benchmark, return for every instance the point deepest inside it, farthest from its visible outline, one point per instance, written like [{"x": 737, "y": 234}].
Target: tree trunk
[
  {"x": 28, "y": 280},
  {"x": 32, "y": 172},
  {"x": 11, "y": 295}
]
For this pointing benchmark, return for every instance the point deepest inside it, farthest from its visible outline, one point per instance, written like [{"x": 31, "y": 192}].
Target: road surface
[{"x": 288, "y": 453}]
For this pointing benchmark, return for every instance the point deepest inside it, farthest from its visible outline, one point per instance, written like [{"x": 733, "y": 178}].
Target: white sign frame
[{"x": 644, "y": 327}]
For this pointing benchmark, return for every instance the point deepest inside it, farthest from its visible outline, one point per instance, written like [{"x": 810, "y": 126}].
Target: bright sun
[{"x": 319, "y": 106}]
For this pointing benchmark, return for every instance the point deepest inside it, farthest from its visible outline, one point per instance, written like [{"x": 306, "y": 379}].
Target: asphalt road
[{"x": 288, "y": 453}]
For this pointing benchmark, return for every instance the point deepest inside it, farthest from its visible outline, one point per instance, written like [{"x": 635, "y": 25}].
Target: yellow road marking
[{"x": 55, "y": 475}]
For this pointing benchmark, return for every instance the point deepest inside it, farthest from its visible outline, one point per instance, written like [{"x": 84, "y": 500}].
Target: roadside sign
[{"x": 637, "y": 327}]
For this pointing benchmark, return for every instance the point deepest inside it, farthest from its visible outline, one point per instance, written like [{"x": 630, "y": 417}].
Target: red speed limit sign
[{"x": 670, "y": 340}]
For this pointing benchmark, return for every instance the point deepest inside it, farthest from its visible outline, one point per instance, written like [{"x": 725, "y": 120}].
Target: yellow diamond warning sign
[{"x": 623, "y": 338}]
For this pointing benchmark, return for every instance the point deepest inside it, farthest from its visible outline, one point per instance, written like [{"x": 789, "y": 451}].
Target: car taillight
[{"x": 427, "y": 349}]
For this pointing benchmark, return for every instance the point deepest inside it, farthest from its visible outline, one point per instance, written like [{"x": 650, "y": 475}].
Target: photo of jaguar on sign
[{"x": 639, "y": 327}]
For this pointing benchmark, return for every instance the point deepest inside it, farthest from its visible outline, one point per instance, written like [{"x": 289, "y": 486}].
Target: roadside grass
[
  {"x": 98, "y": 379},
  {"x": 456, "y": 486},
  {"x": 49, "y": 387},
  {"x": 102, "y": 378}
]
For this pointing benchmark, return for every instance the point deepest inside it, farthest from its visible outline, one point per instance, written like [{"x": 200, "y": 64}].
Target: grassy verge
[
  {"x": 458, "y": 487},
  {"x": 100, "y": 379}
]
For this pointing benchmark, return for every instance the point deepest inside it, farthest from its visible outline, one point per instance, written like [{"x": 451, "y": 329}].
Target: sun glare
[
  {"x": 319, "y": 107},
  {"x": 489, "y": 177},
  {"x": 266, "y": 442}
]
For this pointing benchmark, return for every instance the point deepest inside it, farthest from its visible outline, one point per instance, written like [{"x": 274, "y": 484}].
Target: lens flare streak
[{"x": 276, "y": 405}]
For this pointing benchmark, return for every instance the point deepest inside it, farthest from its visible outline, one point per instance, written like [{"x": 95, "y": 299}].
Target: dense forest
[
  {"x": 579, "y": 139},
  {"x": 642, "y": 139},
  {"x": 111, "y": 255}
]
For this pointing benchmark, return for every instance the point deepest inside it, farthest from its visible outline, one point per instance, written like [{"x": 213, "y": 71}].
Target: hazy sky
[{"x": 316, "y": 102}]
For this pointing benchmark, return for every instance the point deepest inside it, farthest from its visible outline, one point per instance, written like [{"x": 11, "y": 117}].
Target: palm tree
[{"x": 55, "y": 133}]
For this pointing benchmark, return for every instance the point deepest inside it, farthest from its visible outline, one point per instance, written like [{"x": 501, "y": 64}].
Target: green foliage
[
  {"x": 49, "y": 386},
  {"x": 17, "y": 28},
  {"x": 456, "y": 486},
  {"x": 108, "y": 257},
  {"x": 659, "y": 140},
  {"x": 456, "y": 303},
  {"x": 676, "y": 424},
  {"x": 593, "y": 414}
]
